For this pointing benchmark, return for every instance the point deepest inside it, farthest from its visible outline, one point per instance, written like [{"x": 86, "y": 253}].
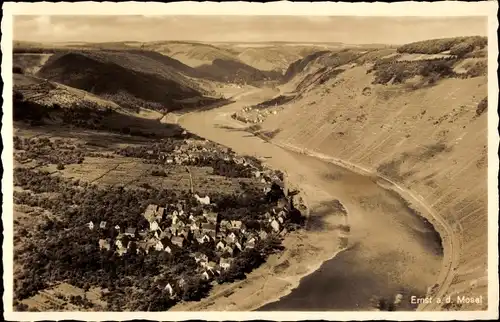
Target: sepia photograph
[{"x": 209, "y": 160}]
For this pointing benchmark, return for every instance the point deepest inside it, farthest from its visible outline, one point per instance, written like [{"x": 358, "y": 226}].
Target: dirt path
[{"x": 392, "y": 254}]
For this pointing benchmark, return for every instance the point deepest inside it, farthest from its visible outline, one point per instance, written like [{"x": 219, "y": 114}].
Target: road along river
[{"x": 392, "y": 250}]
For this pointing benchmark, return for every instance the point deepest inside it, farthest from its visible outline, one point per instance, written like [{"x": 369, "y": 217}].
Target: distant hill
[{"x": 127, "y": 78}]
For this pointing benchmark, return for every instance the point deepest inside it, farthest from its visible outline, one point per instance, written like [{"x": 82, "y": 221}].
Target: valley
[{"x": 381, "y": 150}]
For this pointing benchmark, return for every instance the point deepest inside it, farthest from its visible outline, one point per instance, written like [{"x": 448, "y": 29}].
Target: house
[
  {"x": 117, "y": 227},
  {"x": 281, "y": 219},
  {"x": 130, "y": 232},
  {"x": 150, "y": 212},
  {"x": 168, "y": 249},
  {"x": 119, "y": 244},
  {"x": 211, "y": 217},
  {"x": 104, "y": 243},
  {"x": 91, "y": 225},
  {"x": 178, "y": 241},
  {"x": 200, "y": 257},
  {"x": 236, "y": 224},
  {"x": 231, "y": 238},
  {"x": 212, "y": 234},
  {"x": 207, "y": 275},
  {"x": 102, "y": 225},
  {"x": 194, "y": 226},
  {"x": 250, "y": 244},
  {"x": 153, "y": 226},
  {"x": 229, "y": 249},
  {"x": 275, "y": 225},
  {"x": 238, "y": 246},
  {"x": 225, "y": 263},
  {"x": 203, "y": 238},
  {"x": 170, "y": 290},
  {"x": 220, "y": 246},
  {"x": 224, "y": 225},
  {"x": 267, "y": 215},
  {"x": 175, "y": 217},
  {"x": 204, "y": 201},
  {"x": 206, "y": 227},
  {"x": 184, "y": 233},
  {"x": 159, "y": 214},
  {"x": 262, "y": 234},
  {"x": 159, "y": 246},
  {"x": 210, "y": 265},
  {"x": 192, "y": 218}
]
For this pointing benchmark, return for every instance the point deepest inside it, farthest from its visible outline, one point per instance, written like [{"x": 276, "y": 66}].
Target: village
[{"x": 173, "y": 227}]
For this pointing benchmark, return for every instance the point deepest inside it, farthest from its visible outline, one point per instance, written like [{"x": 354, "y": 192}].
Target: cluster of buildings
[
  {"x": 175, "y": 228},
  {"x": 192, "y": 151}
]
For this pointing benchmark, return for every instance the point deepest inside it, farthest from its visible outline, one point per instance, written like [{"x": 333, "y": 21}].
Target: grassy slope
[{"x": 430, "y": 140}]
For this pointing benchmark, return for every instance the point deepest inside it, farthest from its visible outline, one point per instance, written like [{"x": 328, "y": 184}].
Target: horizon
[{"x": 352, "y": 30}]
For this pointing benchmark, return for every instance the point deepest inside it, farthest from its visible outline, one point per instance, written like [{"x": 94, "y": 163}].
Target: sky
[{"x": 345, "y": 29}]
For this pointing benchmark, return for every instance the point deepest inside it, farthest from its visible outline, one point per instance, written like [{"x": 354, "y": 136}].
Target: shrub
[
  {"x": 482, "y": 106},
  {"x": 17, "y": 70}
]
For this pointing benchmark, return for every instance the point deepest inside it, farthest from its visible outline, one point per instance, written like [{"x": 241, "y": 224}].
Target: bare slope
[{"x": 418, "y": 124}]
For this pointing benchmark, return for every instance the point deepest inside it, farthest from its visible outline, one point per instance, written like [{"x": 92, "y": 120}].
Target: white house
[
  {"x": 250, "y": 243},
  {"x": 119, "y": 243},
  {"x": 168, "y": 249},
  {"x": 150, "y": 212},
  {"x": 203, "y": 239},
  {"x": 225, "y": 263},
  {"x": 199, "y": 257},
  {"x": 275, "y": 225},
  {"x": 230, "y": 250},
  {"x": 220, "y": 245},
  {"x": 153, "y": 226},
  {"x": 231, "y": 237},
  {"x": 238, "y": 245},
  {"x": 130, "y": 232},
  {"x": 102, "y": 225},
  {"x": 204, "y": 201},
  {"x": 103, "y": 243},
  {"x": 91, "y": 225},
  {"x": 170, "y": 290},
  {"x": 117, "y": 227},
  {"x": 207, "y": 275},
  {"x": 159, "y": 246}
]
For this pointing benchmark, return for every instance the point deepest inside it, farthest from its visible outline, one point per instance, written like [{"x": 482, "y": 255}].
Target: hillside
[
  {"x": 191, "y": 59},
  {"x": 126, "y": 78},
  {"x": 421, "y": 123},
  {"x": 191, "y": 53}
]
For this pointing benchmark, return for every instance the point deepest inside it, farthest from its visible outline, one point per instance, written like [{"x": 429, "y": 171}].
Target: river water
[{"x": 393, "y": 251}]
